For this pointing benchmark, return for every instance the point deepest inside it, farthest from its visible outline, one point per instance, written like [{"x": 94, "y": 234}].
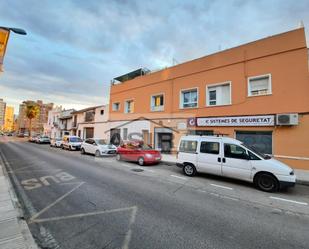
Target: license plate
[{"x": 158, "y": 158}]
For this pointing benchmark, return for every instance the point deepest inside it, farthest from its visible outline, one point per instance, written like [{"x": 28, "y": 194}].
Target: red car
[{"x": 137, "y": 151}]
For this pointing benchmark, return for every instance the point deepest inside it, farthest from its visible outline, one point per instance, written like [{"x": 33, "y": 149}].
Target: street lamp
[{"x": 15, "y": 30}]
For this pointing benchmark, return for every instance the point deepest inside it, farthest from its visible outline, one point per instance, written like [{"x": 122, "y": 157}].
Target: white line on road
[
  {"x": 287, "y": 200},
  {"x": 183, "y": 178},
  {"x": 220, "y": 186}
]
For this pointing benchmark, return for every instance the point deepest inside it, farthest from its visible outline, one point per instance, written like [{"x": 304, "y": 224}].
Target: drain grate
[{"x": 137, "y": 170}]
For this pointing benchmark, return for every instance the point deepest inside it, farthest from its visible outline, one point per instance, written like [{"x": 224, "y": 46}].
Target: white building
[{"x": 51, "y": 128}]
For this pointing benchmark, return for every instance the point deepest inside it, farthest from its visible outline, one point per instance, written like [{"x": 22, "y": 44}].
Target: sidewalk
[
  {"x": 302, "y": 176},
  {"x": 14, "y": 232}
]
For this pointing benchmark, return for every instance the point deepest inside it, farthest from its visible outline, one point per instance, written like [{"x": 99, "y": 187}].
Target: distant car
[
  {"x": 98, "y": 147},
  {"x": 56, "y": 142},
  {"x": 71, "y": 142},
  {"x": 20, "y": 135},
  {"x": 26, "y": 134},
  {"x": 137, "y": 151},
  {"x": 10, "y": 134},
  {"x": 43, "y": 140}
]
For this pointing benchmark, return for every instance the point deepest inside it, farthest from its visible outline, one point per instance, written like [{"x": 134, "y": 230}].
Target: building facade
[
  {"x": 2, "y": 113},
  {"x": 51, "y": 128},
  {"x": 256, "y": 92},
  {"x": 9, "y": 119},
  {"x": 38, "y": 122},
  {"x": 91, "y": 122}
]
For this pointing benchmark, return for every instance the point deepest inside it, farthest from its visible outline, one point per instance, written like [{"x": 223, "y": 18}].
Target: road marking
[
  {"x": 220, "y": 186},
  {"x": 127, "y": 239},
  {"x": 65, "y": 217},
  {"x": 180, "y": 177},
  {"x": 55, "y": 202},
  {"x": 287, "y": 200}
]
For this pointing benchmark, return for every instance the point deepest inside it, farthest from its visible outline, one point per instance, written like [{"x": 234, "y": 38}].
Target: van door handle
[
  {"x": 219, "y": 159},
  {"x": 223, "y": 160}
]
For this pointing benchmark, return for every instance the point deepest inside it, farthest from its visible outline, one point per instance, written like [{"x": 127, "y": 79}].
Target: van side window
[
  {"x": 252, "y": 156},
  {"x": 188, "y": 146},
  {"x": 234, "y": 151},
  {"x": 210, "y": 147}
]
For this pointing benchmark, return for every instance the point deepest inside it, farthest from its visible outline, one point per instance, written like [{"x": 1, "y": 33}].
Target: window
[
  {"x": 189, "y": 98},
  {"x": 89, "y": 116},
  {"x": 252, "y": 156},
  {"x": 157, "y": 102},
  {"x": 210, "y": 147},
  {"x": 234, "y": 151},
  {"x": 129, "y": 106},
  {"x": 259, "y": 85},
  {"x": 116, "y": 106},
  {"x": 258, "y": 140},
  {"x": 218, "y": 94},
  {"x": 102, "y": 112},
  {"x": 188, "y": 146}
]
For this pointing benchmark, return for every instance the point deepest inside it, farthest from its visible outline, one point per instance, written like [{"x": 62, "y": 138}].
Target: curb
[
  {"x": 28, "y": 240},
  {"x": 298, "y": 182}
]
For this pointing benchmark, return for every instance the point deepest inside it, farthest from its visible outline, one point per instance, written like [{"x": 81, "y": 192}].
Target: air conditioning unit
[{"x": 287, "y": 119}]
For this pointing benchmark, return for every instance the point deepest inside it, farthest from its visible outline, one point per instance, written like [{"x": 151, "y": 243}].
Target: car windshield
[
  {"x": 101, "y": 142},
  {"x": 264, "y": 156},
  {"x": 75, "y": 139}
]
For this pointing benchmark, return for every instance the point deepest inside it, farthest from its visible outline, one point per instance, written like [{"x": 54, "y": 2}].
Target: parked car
[
  {"x": 137, "y": 151},
  {"x": 56, "y": 142},
  {"x": 26, "y": 134},
  {"x": 34, "y": 137},
  {"x": 42, "y": 140},
  {"x": 20, "y": 134},
  {"x": 98, "y": 147},
  {"x": 231, "y": 158},
  {"x": 71, "y": 142}
]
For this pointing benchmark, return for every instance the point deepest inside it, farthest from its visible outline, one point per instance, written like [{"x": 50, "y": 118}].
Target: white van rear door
[
  {"x": 235, "y": 162},
  {"x": 209, "y": 157}
]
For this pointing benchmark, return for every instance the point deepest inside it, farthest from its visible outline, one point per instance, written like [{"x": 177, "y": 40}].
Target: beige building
[
  {"x": 37, "y": 123},
  {"x": 2, "y": 113},
  {"x": 91, "y": 122},
  {"x": 9, "y": 119}
]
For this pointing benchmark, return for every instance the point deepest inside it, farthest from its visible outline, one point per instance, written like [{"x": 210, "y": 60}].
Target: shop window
[
  {"x": 210, "y": 147},
  {"x": 258, "y": 140},
  {"x": 157, "y": 102},
  {"x": 129, "y": 106},
  {"x": 259, "y": 85},
  {"x": 188, "y": 146},
  {"x": 189, "y": 98},
  {"x": 200, "y": 132},
  {"x": 219, "y": 94},
  {"x": 116, "y": 106}
]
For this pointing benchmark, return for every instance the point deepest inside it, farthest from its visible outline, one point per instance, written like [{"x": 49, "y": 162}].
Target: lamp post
[{"x": 4, "y": 37}]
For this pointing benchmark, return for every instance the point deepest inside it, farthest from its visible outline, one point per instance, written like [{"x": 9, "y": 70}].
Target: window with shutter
[{"x": 260, "y": 85}]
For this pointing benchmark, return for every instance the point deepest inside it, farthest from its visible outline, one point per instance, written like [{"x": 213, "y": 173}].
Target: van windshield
[
  {"x": 266, "y": 157},
  {"x": 75, "y": 139}
]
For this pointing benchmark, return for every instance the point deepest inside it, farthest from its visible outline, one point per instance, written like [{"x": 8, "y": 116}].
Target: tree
[{"x": 32, "y": 111}]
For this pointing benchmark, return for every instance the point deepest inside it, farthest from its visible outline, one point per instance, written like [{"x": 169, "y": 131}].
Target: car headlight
[
  {"x": 148, "y": 155},
  {"x": 292, "y": 173}
]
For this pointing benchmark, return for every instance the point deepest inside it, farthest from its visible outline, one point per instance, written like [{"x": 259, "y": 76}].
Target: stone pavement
[
  {"x": 302, "y": 176},
  {"x": 14, "y": 232}
]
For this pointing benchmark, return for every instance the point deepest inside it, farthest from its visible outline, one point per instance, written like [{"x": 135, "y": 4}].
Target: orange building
[{"x": 257, "y": 93}]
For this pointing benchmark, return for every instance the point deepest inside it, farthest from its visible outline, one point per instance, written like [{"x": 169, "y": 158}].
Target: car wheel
[
  {"x": 97, "y": 153},
  {"x": 82, "y": 151},
  {"x": 118, "y": 157},
  {"x": 266, "y": 182},
  {"x": 141, "y": 161},
  {"x": 189, "y": 169}
]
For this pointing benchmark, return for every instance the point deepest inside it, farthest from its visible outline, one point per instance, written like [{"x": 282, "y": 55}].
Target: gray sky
[{"x": 74, "y": 47}]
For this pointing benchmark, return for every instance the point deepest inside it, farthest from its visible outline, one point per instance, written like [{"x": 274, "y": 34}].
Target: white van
[{"x": 229, "y": 157}]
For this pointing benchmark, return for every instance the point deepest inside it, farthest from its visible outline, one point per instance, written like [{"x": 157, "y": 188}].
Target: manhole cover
[{"x": 137, "y": 170}]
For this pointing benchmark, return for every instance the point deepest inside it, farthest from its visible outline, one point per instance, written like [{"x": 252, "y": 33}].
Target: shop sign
[{"x": 266, "y": 120}]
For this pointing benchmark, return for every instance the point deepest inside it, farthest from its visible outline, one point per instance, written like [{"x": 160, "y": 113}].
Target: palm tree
[{"x": 32, "y": 111}]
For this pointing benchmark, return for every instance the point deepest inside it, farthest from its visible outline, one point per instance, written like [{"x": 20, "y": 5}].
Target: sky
[{"x": 74, "y": 48}]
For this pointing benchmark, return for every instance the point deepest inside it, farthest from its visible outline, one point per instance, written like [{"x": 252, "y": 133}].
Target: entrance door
[
  {"x": 165, "y": 142},
  {"x": 88, "y": 133},
  {"x": 209, "y": 158},
  {"x": 115, "y": 137},
  {"x": 235, "y": 162}
]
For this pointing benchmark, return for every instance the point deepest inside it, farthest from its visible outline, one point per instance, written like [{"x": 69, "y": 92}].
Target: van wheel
[
  {"x": 141, "y": 161},
  {"x": 189, "y": 170},
  {"x": 266, "y": 182}
]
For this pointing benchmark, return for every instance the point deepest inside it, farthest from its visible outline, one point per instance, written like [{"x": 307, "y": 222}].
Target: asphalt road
[{"x": 77, "y": 201}]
